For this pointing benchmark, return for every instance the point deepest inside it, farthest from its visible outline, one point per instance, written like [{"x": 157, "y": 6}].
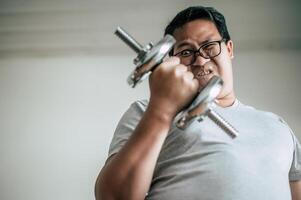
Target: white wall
[
  {"x": 270, "y": 80},
  {"x": 58, "y": 115},
  {"x": 57, "y": 118}
]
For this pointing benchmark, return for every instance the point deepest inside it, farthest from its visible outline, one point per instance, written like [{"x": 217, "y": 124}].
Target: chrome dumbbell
[
  {"x": 148, "y": 57},
  {"x": 202, "y": 106}
]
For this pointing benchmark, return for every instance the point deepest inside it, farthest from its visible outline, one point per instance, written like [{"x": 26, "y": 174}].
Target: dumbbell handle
[
  {"x": 222, "y": 123},
  {"x": 129, "y": 40}
]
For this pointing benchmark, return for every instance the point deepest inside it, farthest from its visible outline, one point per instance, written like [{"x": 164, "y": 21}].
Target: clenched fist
[{"x": 172, "y": 87}]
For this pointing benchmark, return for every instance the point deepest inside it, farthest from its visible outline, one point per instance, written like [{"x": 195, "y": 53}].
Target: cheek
[
  {"x": 224, "y": 67},
  {"x": 224, "y": 70}
]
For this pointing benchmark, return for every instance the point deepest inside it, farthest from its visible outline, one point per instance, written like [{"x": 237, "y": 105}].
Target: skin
[
  {"x": 128, "y": 174},
  {"x": 296, "y": 190},
  {"x": 191, "y": 36}
]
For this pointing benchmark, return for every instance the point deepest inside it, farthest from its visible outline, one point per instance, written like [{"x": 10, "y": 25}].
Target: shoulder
[
  {"x": 266, "y": 119},
  {"x": 134, "y": 112},
  {"x": 139, "y": 105},
  {"x": 261, "y": 114}
]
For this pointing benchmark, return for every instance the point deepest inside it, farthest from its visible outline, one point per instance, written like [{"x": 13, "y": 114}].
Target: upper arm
[{"x": 296, "y": 189}]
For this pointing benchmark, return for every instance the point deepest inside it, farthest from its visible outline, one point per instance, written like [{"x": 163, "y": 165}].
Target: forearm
[
  {"x": 128, "y": 175},
  {"x": 296, "y": 190}
]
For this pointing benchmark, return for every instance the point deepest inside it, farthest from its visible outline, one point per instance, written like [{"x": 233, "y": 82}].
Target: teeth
[{"x": 203, "y": 73}]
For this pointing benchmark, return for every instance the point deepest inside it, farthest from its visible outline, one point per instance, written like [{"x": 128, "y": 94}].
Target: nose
[{"x": 199, "y": 60}]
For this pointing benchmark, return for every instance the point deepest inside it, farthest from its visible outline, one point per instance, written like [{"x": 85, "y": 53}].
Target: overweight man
[{"x": 150, "y": 158}]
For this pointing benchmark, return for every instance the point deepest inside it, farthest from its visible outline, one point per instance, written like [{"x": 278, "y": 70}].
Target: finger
[
  {"x": 195, "y": 84},
  {"x": 216, "y": 101},
  {"x": 181, "y": 68},
  {"x": 171, "y": 61},
  {"x": 189, "y": 75}
]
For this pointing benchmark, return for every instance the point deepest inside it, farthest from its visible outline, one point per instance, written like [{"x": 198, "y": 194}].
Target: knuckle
[
  {"x": 161, "y": 66},
  {"x": 174, "y": 59},
  {"x": 177, "y": 72},
  {"x": 190, "y": 73}
]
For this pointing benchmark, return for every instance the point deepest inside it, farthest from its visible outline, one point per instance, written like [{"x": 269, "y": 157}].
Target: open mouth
[{"x": 203, "y": 74}]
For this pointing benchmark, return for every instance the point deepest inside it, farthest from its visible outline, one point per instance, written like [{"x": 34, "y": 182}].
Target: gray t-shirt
[{"x": 204, "y": 163}]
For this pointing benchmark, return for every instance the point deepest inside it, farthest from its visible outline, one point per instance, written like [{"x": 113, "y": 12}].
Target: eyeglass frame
[{"x": 195, "y": 52}]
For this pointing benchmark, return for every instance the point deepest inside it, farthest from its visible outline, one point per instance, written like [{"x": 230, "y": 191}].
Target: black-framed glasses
[{"x": 208, "y": 50}]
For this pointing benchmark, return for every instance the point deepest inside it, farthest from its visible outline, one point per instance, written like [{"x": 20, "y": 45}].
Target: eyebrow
[
  {"x": 183, "y": 44},
  {"x": 204, "y": 42},
  {"x": 190, "y": 44}
]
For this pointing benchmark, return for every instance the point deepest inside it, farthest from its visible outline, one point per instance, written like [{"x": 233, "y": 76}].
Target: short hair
[{"x": 199, "y": 12}]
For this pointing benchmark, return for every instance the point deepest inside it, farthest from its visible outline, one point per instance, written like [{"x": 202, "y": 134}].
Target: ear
[{"x": 230, "y": 48}]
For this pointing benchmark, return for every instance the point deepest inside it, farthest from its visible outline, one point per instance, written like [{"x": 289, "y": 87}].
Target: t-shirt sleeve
[
  {"x": 126, "y": 126},
  {"x": 295, "y": 171}
]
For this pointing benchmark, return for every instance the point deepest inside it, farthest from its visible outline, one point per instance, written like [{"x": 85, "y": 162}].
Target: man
[{"x": 150, "y": 158}]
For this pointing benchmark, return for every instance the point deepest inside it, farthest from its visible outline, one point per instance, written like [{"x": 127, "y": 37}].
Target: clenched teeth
[{"x": 204, "y": 73}]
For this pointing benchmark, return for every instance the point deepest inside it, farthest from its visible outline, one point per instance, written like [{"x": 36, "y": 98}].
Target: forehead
[{"x": 197, "y": 31}]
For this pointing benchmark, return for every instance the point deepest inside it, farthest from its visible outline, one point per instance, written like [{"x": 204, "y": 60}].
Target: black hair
[{"x": 199, "y": 12}]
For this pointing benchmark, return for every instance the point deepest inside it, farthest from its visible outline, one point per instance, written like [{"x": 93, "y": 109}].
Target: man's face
[{"x": 197, "y": 33}]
